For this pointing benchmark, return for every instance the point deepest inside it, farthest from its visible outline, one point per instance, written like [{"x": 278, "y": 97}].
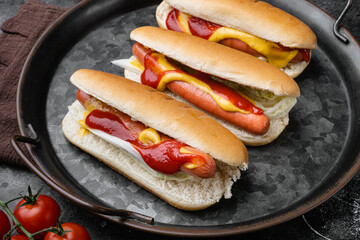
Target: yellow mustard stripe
[
  {"x": 183, "y": 22},
  {"x": 163, "y": 62},
  {"x": 149, "y": 136},
  {"x": 246, "y": 97},
  {"x": 267, "y": 48},
  {"x": 183, "y": 150},
  {"x": 277, "y": 58},
  {"x": 190, "y": 165},
  {"x": 137, "y": 64},
  {"x": 177, "y": 76},
  {"x": 83, "y": 131}
]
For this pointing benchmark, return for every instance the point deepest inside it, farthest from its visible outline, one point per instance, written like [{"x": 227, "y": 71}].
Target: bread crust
[
  {"x": 191, "y": 195},
  {"x": 255, "y": 17},
  {"x": 162, "y": 12},
  {"x": 217, "y": 60},
  {"x": 163, "y": 113},
  {"x": 295, "y": 69}
]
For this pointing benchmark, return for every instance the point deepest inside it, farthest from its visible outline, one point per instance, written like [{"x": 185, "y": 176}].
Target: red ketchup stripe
[
  {"x": 204, "y": 29},
  {"x": 152, "y": 76},
  {"x": 164, "y": 157},
  {"x": 255, "y": 122},
  {"x": 228, "y": 93},
  {"x": 109, "y": 123},
  {"x": 172, "y": 22}
]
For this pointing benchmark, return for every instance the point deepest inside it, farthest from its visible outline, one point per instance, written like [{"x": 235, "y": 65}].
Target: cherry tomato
[
  {"x": 35, "y": 217},
  {"x": 77, "y": 233},
  {"x": 18, "y": 237},
  {"x": 4, "y": 224}
]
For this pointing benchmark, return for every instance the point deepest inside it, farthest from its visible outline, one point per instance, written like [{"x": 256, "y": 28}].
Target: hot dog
[
  {"x": 247, "y": 95},
  {"x": 152, "y": 139},
  {"x": 149, "y": 145},
  {"x": 248, "y": 26},
  {"x": 255, "y": 123}
]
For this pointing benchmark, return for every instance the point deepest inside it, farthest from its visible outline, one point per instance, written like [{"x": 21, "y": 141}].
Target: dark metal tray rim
[{"x": 160, "y": 228}]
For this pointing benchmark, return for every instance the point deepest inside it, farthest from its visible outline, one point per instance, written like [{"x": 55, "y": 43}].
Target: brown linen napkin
[{"x": 20, "y": 33}]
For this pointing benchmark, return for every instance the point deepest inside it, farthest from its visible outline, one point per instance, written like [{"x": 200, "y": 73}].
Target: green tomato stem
[
  {"x": 13, "y": 200},
  {"x": 31, "y": 199},
  {"x": 17, "y": 223},
  {"x": 50, "y": 229},
  {"x": 8, "y": 234}
]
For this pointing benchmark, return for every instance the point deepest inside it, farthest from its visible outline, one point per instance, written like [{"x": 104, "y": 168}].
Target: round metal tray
[{"x": 314, "y": 157}]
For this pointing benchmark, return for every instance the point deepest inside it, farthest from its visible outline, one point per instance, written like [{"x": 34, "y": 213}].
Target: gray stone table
[{"x": 337, "y": 218}]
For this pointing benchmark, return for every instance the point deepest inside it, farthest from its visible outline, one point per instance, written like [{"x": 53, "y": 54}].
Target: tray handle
[
  {"x": 338, "y": 21},
  {"x": 123, "y": 214}
]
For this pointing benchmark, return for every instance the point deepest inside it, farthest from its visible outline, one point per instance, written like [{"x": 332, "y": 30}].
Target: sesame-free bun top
[
  {"x": 255, "y": 17},
  {"x": 217, "y": 60},
  {"x": 165, "y": 114}
]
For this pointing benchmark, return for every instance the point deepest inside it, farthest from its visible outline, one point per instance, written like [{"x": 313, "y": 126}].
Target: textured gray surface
[{"x": 338, "y": 218}]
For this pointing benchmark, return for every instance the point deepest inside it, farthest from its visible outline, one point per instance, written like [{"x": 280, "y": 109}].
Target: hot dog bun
[
  {"x": 236, "y": 67},
  {"x": 254, "y": 17},
  {"x": 217, "y": 60},
  {"x": 176, "y": 119},
  {"x": 163, "y": 113}
]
